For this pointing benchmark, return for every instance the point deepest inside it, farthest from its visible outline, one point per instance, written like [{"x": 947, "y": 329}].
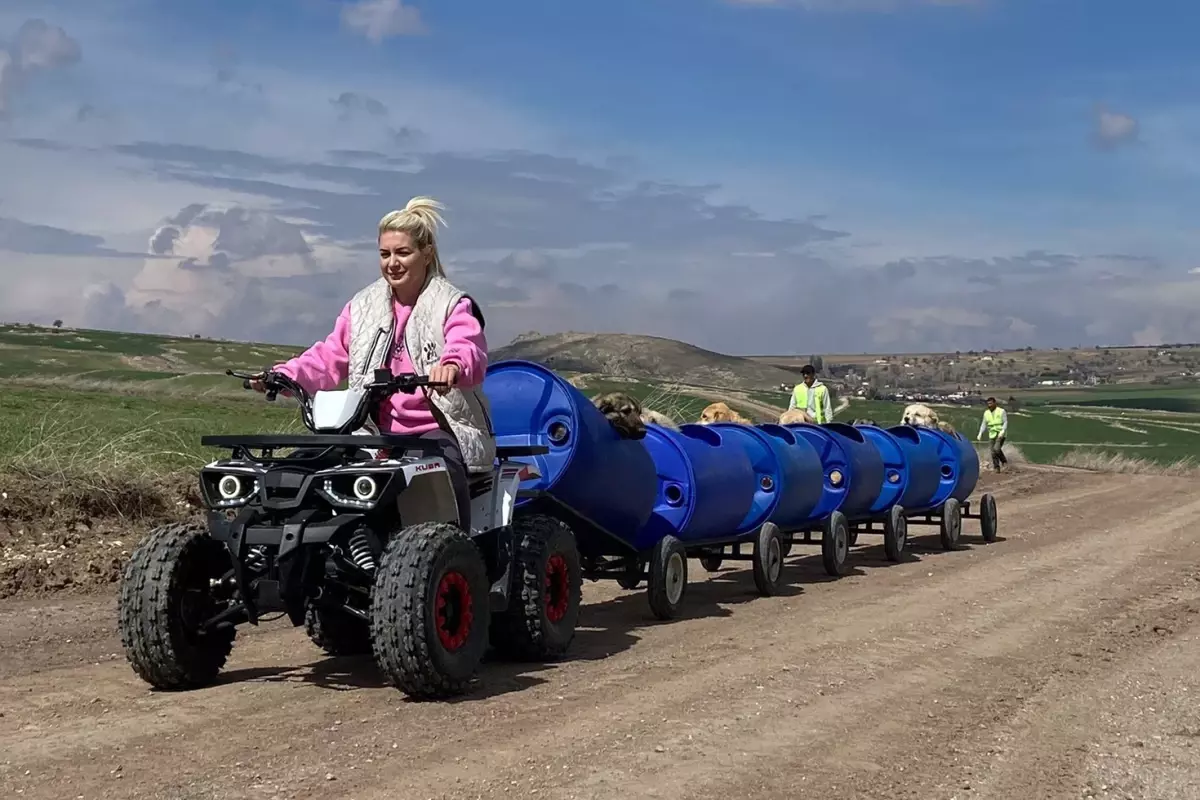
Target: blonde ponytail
[{"x": 419, "y": 219}]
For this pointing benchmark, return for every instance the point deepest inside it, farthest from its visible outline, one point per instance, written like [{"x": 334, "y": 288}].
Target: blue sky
[{"x": 798, "y": 175}]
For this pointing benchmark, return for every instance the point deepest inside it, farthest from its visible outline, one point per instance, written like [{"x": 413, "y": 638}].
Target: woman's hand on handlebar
[
  {"x": 446, "y": 374},
  {"x": 257, "y": 383}
]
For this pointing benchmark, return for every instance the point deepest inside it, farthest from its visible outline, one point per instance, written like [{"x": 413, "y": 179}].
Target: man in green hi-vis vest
[
  {"x": 812, "y": 396},
  {"x": 995, "y": 423}
]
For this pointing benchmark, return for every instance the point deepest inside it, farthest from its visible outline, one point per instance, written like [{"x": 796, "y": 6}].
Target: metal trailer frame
[
  {"x": 891, "y": 524},
  {"x": 835, "y": 531},
  {"x": 947, "y": 516},
  {"x": 606, "y": 556}
]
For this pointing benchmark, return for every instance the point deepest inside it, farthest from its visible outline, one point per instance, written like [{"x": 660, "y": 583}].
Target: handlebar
[{"x": 384, "y": 382}]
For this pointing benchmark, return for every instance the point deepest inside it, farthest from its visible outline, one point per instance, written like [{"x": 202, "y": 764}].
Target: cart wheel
[
  {"x": 768, "y": 559},
  {"x": 668, "y": 577},
  {"x": 632, "y": 576},
  {"x": 987, "y": 517},
  {"x": 951, "y": 524},
  {"x": 710, "y": 563},
  {"x": 895, "y": 533},
  {"x": 835, "y": 544}
]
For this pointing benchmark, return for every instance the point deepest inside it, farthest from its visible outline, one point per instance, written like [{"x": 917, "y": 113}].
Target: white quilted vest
[{"x": 372, "y": 320}]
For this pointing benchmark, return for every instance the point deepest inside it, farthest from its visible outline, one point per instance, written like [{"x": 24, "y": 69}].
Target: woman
[{"x": 413, "y": 320}]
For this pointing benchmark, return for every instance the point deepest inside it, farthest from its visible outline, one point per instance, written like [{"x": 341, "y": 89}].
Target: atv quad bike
[{"x": 356, "y": 537}]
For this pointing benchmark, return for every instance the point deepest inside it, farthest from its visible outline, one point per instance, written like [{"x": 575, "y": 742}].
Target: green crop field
[
  {"x": 1046, "y": 432},
  {"x": 1181, "y": 399}
]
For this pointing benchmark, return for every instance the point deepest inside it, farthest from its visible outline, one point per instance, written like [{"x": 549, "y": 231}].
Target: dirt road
[{"x": 1059, "y": 662}]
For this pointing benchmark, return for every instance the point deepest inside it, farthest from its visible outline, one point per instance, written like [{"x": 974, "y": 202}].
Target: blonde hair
[{"x": 419, "y": 219}]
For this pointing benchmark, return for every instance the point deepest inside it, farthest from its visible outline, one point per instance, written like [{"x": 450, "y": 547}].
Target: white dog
[{"x": 919, "y": 414}]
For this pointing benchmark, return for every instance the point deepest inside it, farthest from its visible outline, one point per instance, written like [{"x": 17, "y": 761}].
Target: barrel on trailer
[
  {"x": 924, "y": 466},
  {"x": 935, "y": 454},
  {"x": 895, "y": 467},
  {"x": 787, "y": 469},
  {"x": 706, "y": 485},
  {"x": 768, "y": 471},
  {"x": 591, "y": 469},
  {"x": 968, "y": 466},
  {"x": 802, "y": 485},
  {"x": 851, "y": 464}
]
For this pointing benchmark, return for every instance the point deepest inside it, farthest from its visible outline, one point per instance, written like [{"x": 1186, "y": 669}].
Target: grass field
[
  {"x": 80, "y": 401},
  {"x": 1181, "y": 399}
]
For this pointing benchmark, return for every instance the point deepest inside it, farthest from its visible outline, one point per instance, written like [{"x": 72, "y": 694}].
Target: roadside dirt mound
[{"x": 60, "y": 533}]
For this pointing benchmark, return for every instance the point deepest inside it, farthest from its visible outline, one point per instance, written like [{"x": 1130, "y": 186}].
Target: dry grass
[
  {"x": 1104, "y": 461},
  {"x": 60, "y": 472},
  {"x": 671, "y": 402},
  {"x": 167, "y": 386}
]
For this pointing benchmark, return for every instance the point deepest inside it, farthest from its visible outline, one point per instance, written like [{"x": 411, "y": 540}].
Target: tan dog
[
  {"x": 627, "y": 416},
  {"x": 947, "y": 427},
  {"x": 919, "y": 414},
  {"x": 794, "y": 416},
  {"x": 721, "y": 412}
]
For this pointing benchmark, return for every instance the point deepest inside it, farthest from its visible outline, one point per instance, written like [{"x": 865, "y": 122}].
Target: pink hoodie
[{"x": 324, "y": 365}]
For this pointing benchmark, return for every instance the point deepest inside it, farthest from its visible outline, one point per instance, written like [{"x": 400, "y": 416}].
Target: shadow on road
[{"x": 611, "y": 626}]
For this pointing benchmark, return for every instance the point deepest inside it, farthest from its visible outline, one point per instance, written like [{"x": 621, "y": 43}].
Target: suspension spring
[
  {"x": 360, "y": 552},
  {"x": 256, "y": 558}
]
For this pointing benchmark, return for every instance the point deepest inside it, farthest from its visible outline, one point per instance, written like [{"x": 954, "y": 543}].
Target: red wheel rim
[
  {"x": 558, "y": 588},
  {"x": 452, "y": 610}
]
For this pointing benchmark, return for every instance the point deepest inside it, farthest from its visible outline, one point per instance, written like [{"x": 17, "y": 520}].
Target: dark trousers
[
  {"x": 457, "y": 467},
  {"x": 998, "y": 456}
]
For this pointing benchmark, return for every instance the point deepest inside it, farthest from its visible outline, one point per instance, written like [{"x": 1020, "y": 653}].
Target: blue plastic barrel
[
  {"x": 924, "y": 466},
  {"x": 968, "y": 466},
  {"x": 769, "y": 480},
  {"x": 895, "y": 467},
  {"x": 849, "y": 461},
  {"x": 944, "y": 450},
  {"x": 802, "y": 485},
  {"x": 591, "y": 469},
  {"x": 706, "y": 487}
]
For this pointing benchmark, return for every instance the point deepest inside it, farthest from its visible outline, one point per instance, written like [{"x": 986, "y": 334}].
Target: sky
[{"x": 750, "y": 176}]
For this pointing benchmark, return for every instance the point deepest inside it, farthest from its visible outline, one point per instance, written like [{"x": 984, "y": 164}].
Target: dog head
[
  {"x": 919, "y": 414},
  {"x": 716, "y": 412},
  {"x": 623, "y": 412}
]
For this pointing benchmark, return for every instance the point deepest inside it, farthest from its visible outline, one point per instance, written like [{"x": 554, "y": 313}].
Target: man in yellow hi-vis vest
[
  {"x": 995, "y": 422},
  {"x": 812, "y": 395}
]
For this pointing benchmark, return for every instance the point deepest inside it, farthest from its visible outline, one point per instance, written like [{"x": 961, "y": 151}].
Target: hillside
[
  {"x": 645, "y": 358},
  {"x": 1168, "y": 365}
]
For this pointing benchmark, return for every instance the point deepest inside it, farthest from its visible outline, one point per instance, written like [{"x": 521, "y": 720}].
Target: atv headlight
[
  {"x": 359, "y": 491},
  {"x": 365, "y": 488},
  {"x": 229, "y": 487}
]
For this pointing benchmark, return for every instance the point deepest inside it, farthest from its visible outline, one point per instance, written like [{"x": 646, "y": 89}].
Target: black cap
[{"x": 807, "y": 369}]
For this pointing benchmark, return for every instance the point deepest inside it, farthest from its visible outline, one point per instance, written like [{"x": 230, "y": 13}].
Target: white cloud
[
  {"x": 381, "y": 19},
  {"x": 1112, "y": 128}
]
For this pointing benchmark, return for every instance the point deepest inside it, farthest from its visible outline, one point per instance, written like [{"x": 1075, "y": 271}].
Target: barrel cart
[
  {"x": 639, "y": 508},
  {"x": 838, "y": 485},
  {"x": 935, "y": 473}
]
